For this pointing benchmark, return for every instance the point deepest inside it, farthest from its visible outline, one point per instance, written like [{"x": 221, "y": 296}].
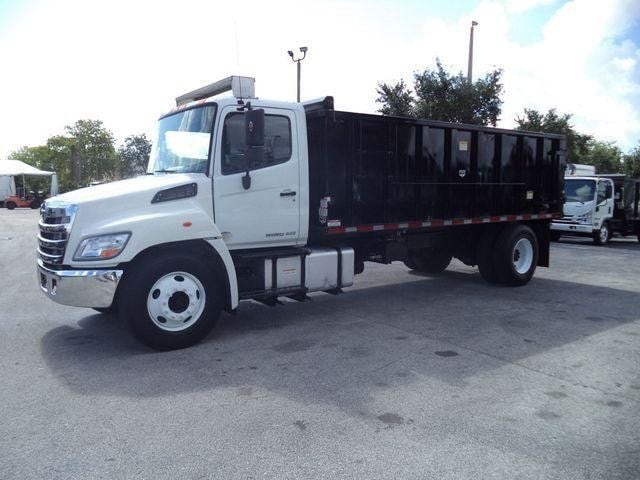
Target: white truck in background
[{"x": 598, "y": 206}]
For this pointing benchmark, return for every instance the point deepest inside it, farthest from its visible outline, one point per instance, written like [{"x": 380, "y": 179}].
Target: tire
[
  {"x": 515, "y": 255},
  {"x": 484, "y": 256},
  {"x": 34, "y": 204},
  {"x": 10, "y": 205},
  {"x": 171, "y": 302},
  {"x": 554, "y": 236},
  {"x": 601, "y": 237},
  {"x": 430, "y": 262}
]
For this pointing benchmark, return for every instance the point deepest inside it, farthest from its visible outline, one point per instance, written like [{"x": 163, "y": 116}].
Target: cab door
[
  {"x": 267, "y": 214},
  {"x": 604, "y": 201}
]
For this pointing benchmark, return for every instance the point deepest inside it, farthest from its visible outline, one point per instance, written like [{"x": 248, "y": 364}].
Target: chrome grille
[{"x": 55, "y": 224}]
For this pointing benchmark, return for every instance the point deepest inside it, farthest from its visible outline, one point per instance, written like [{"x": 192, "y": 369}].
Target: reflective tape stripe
[{"x": 414, "y": 224}]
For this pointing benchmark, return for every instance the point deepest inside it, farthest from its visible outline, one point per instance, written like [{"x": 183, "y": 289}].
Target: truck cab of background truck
[{"x": 588, "y": 209}]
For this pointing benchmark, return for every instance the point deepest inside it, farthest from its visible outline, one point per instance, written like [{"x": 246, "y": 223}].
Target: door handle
[{"x": 287, "y": 193}]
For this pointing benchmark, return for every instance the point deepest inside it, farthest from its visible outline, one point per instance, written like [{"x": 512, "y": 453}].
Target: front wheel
[
  {"x": 34, "y": 204},
  {"x": 515, "y": 255},
  {"x": 10, "y": 205},
  {"x": 602, "y": 236},
  {"x": 172, "y": 302}
]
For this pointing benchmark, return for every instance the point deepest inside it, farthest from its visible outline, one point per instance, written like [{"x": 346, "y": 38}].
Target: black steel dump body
[
  {"x": 374, "y": 173},
  {"x": 626, "y": 213}
]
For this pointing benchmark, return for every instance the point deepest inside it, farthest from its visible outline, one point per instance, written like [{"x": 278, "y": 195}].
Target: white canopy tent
[{"x": 13, "y": 168}]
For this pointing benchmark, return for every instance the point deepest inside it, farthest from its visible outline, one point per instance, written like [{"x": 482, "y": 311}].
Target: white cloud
[
  {"x": 519, "y": 6},
  {"x": 124, "y": 62}
]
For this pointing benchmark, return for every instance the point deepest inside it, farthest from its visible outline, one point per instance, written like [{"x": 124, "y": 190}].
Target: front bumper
[
  {"x": 575, "y": 228},
  {"x": 79, "y": 288}
]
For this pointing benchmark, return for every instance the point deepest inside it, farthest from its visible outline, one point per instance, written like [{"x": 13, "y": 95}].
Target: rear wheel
[
  {"x": 429, "y": 261},
  {"x": 172, "y": 302},
  {"x": 10, "y": 205},
  {"x": 602, "y": 236},
  {"x": 515, "y": 255},
  {"x": 34, "y": 204}
]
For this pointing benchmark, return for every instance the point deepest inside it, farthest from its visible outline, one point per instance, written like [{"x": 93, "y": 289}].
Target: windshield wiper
[{"x": 164, "y": 171}]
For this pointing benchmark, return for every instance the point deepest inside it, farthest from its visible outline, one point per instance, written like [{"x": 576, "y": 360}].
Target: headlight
[
  {"x": 101, "y": 247},
  {"x": 586, "y": 218}
]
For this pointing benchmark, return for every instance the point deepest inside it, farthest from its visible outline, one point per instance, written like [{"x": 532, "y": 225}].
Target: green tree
[
  {"x": 92, "y": 153},
  {"x": 440, "y": 95},
  {"x": 605, "y": 156},
  {"x": 578, "y": 145},
  {"x": 86, "y": 153},
  {"x": 632, "y": 162},
  {"x": 397, "y": 100},
  {"x": 134, "y": 155}
]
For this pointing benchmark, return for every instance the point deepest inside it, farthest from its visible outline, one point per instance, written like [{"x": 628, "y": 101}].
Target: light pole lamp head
[
  {"x": 474, "y": 23},
  {"x": 303, "y": 49},
  {"x": 290, "y": 53}
]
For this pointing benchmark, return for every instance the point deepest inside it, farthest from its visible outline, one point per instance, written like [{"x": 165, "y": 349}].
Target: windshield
[
  {"x": 182, "y": 141},
  {"x": 579, "y": 190}
]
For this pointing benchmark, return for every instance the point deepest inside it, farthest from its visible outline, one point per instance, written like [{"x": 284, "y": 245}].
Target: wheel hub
[
  {"x": 179, "y": 302},
  {"x": 604, "y": 233},
  {"x": 176, "y": 301},
  {"x": 523, "y": 256}
]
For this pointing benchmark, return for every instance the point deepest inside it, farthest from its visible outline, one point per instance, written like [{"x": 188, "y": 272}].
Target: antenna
[{"x": 235, "y": 31}]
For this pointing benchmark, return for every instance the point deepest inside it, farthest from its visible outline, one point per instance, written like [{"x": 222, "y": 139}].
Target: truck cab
[
  {"x": 588, "y": 208},
  {"x": 204, "y": 209}
]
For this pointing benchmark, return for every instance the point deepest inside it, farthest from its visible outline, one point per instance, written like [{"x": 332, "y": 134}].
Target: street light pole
[
  {"x": 297, "y": 61},
  {"x": 470, "y": 67},
  {"x": 298, "y": 68}
]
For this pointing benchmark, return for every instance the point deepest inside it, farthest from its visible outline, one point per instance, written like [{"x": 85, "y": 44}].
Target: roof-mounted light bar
[{"x": 242, "y": 87}]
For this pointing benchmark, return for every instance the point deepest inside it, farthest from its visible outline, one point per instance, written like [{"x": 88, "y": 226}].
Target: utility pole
[
  {"x": 297, "y": 61},
  {"x": 470, "y": 67}
]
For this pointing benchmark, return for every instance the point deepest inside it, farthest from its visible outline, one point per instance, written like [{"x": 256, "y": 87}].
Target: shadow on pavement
[
  {"x": 340, "y": 350},
  {"x": 626, "y": 243}
]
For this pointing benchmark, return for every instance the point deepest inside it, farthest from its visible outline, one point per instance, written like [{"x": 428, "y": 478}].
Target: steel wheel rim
[
  {"x": 176, "y": 301},
  {"x": 522, "y": 256},
  {"x": 604, "y": 233}
]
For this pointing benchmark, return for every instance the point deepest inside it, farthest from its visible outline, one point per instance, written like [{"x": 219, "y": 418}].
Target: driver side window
[
  {"x": 277, "y": 142},
  {"x": 603, "y": 191}
]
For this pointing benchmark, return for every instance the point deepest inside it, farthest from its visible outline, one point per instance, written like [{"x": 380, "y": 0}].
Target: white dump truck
[
  {"x": 598, "y": 206},
  {"x": 255, "y": 199}
]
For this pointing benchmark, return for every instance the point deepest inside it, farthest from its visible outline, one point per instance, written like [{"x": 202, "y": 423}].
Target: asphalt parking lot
[{"x": 403, "y": 376}]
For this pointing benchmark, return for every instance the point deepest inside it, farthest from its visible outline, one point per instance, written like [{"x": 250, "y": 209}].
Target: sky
[{"x": 125, "y": 61}]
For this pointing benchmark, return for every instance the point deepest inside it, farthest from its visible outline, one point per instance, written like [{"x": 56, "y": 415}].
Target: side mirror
[
  {"x": 254, "y": 137},
  {"x": 254, "y": 127}
]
